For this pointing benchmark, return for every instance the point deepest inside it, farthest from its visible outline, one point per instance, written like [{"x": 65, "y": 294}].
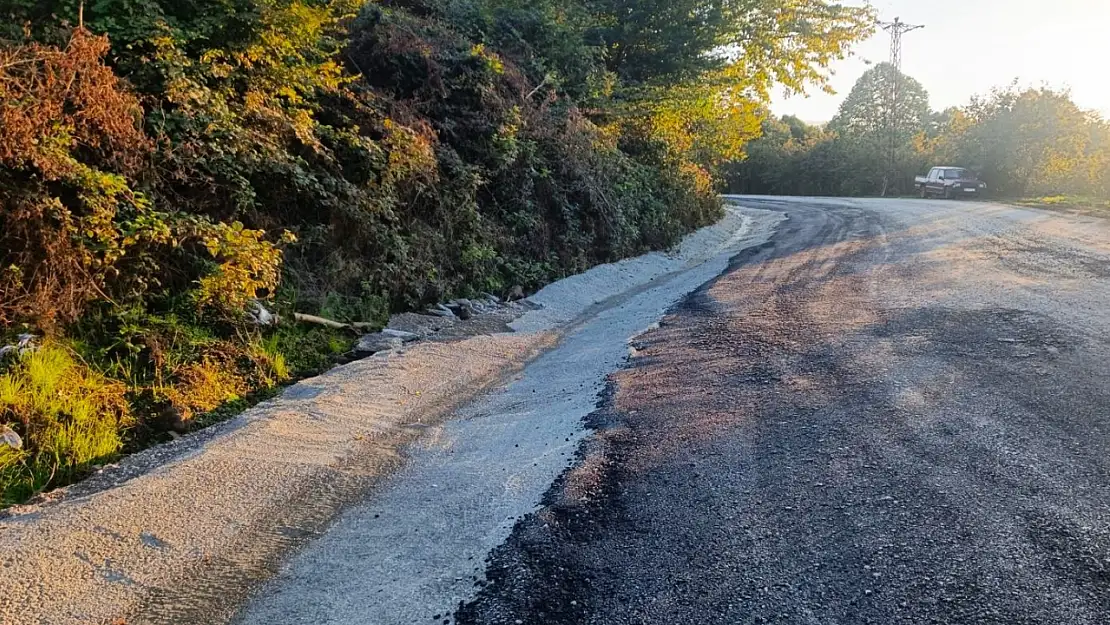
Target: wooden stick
[{"x": 320, "y": 321}]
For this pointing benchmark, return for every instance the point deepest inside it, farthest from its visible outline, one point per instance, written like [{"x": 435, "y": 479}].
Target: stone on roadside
[
  {"x": 9, "y": 438},
  {"x": 439, "y": 310},
  {"x": 378, "y": 342},
  {"x": 462, "y": 308},
  {"x": 407, "y": 337},
  {"x": 25, "y": 343},
  {"x": 516, "y": 293}
]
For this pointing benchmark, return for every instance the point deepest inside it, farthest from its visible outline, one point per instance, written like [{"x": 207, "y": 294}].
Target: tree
[
  {"x": 878, "y": 128},
  {"x": 800, "y": 130},
  {"x": 668, "y": 41},
  {"x": 1033, "y": 141},
  {"x": 866, "y": 114},
  {"x": 697, "y": 74}
]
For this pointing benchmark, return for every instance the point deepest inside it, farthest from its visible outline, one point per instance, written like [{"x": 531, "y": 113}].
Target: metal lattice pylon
[{"x": 897, "y": 28}]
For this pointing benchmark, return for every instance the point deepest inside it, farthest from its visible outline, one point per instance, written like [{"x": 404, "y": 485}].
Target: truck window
[{"x": 955, "y": 174}]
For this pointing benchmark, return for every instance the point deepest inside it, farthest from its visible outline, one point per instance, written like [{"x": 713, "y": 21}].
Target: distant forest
[{"x": 1023, "y": 142}]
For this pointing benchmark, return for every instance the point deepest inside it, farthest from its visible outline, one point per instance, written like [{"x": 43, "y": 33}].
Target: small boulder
[
  {"x": 462, "y": 308},
  {"x": 441, "y": 311},
  {"x": 9, "y": 438},
  {"x": 406, "y": 337},
  {"x": 170, "y": 420},
  {"x": 25, "y": 343},
  {"x": 374, "y": 343},
  {"x": 258, "y": 314},
  {"x": 517, "y": 292}
]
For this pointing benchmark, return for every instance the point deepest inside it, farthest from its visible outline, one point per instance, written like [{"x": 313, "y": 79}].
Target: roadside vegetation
[
  {"x": 1024, "y": 143},
  {"x": 169, "y": 169},
  {"x": 1077, "y": 204}
]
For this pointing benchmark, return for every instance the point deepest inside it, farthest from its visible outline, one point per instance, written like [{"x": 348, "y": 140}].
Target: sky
[{"x": 969, "y": 46}]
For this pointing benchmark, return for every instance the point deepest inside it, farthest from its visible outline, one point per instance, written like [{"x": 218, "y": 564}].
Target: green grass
[
  {"x": 70, "y": 419},
  {"x": 76, "y": 413},
  {"x": 1068, "y": 203}
]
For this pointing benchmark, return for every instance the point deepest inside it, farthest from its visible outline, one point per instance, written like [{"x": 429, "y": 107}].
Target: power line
[{"x": 897, "y": 28}]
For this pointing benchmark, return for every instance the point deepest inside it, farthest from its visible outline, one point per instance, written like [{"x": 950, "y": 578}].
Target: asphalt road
[{"x": 893, "y": 412}]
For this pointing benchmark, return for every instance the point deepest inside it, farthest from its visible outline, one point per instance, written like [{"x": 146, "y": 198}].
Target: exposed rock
[
  {"x": 420, "y": 324},
  {"x": 441, "y": 311},
  {"x": 407, "y": 337},
  {"x": 378, "y": 342},
  {"x": 517, "y": 292},
  {"x": 493, "y": 299},
  {"x": 25, "y": 343},
  {"x": 9, "y": 438},
  {"x": 258, "y": 314},
  {"x": 462, "y": 308}
]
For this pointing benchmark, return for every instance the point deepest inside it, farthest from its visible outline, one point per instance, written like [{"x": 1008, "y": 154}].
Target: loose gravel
[{"x": 895, "y": 412}]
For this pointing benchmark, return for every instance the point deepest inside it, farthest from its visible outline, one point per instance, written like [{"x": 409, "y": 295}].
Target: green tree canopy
[
  {"x": 697, "y": 74},
  {"x": 867, "y": 112},
  {"x": 1034, "y": 141},
  {"x": 668, "y": 41}
]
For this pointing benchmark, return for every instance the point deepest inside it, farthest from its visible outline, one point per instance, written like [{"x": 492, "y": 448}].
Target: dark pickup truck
[{"x": 950, "y": 182}]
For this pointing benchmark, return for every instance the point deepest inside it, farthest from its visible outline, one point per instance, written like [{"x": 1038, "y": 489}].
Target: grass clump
[
  {"x": 1075, "y": 203},
  {"x": 70, "y": 419}
]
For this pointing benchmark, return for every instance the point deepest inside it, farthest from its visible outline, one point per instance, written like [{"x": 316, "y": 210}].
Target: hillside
[{"x": 174, "y": 172}]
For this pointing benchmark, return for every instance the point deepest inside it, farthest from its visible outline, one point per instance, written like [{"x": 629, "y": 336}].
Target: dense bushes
[
  {"x": 1027, "y": 142},
  {"x": 165, "y": 164}
]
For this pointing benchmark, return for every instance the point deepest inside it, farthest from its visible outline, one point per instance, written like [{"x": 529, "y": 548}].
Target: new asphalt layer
[{"x": 893, "y": 412}]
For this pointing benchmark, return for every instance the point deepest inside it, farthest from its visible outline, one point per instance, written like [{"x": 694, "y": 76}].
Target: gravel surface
[
  {"x": 183, "y": 533},
  {"x": 894, "y": 412},
  {"x": 414, "y": 550}
]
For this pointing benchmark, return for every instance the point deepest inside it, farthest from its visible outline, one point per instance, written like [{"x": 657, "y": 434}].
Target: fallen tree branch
[
  {"x": 303, "y": 318},
  {"x": 538, "y": 87}
]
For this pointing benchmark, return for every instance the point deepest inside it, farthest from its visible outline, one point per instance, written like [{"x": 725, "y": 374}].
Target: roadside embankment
[{"x": 186, "y": 529}]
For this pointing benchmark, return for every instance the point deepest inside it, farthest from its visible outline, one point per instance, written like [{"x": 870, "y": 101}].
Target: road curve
[{"x": 894, "y": 412}]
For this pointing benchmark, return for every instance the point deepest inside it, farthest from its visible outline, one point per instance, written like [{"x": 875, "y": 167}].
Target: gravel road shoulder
[{"x": 186, "y": 541}]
